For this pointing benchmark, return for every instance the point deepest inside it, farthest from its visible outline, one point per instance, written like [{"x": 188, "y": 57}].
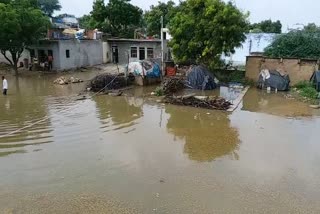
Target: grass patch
[{"x": 307, "y": 90}]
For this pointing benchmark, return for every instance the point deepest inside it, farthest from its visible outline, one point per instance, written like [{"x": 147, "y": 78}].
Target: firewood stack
[
  {"x": 217, "y": 103},
  {"x": 172, "y": 85},
  {"x": 107, "y": 82}
]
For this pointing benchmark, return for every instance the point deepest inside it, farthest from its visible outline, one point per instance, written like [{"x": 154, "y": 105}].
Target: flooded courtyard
[{"x": 131, "y": 154}]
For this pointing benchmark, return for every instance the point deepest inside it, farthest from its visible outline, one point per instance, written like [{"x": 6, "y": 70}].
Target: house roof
[{"x": 133, "y": 40}]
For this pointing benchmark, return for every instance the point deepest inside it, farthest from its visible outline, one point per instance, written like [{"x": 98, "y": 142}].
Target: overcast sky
[{"x": 289, "y": 12}]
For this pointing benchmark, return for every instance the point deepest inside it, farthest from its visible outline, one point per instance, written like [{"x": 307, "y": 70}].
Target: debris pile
[
  {"x": 216, "y": 103},
  {"x": 172, "y": 85},
  {"x": 107, "y": 82},
  {"x": 64, "y": 80}
]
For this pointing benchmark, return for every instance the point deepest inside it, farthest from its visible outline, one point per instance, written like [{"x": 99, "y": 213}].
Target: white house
[{"x": 255, "y": 43}]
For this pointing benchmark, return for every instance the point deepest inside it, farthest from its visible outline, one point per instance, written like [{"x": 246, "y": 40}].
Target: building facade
[
  {"x": 123, "y": 51},
  {"x": 69, "y": 54}
]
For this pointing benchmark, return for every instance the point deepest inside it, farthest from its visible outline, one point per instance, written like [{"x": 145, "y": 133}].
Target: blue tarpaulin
[{"x": 145, "y": 68}]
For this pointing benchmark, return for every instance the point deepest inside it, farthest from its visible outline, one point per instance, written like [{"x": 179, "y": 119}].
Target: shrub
[
  {"x": 306, "y": 89},
  {"x": 159, "y": 91}
]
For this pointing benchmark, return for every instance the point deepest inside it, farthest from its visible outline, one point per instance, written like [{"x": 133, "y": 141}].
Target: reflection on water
[
  {"x": 118, "y": 112},
  {"x": 131, "y": 154},
  {"x": 207, "y": 137},
  {"x": 275, "y": 103},
  {"x": 229, "y": 93},
  {"x": 20, "y": 110},
  {"x": 29, "y": 101}
]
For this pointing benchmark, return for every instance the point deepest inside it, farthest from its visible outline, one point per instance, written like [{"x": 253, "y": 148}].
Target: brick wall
[{"x": 298, "y": 69}]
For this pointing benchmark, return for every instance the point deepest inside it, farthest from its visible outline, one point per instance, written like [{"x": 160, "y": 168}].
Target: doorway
[
  {"x": 115, "y": 54},
  {"x": 142, "y": 53}
]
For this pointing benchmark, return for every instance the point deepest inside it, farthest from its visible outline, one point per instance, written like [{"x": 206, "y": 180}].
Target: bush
[
  {"x": 159, "y": 91},
  {"x": 297, "y": 44},
  {"x": 306, "y": 89},
  {"x": 309, "y": 92},
  {"x": 303, "y": 84}
]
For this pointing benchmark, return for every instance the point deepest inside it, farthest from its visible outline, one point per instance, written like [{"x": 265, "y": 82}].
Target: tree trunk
[
  {"x": 15, "y": 68},
  {"x": 15, "y": 59}
]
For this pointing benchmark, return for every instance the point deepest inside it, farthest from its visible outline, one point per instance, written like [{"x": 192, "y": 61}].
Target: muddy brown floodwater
[{"x": 131, "y": 154}]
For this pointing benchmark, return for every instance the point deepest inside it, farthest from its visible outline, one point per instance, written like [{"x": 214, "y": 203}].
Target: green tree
[
  {"x": 204, "y": 29},
  {"x": 297, "y": 44},
  {"x": 118, "y": 17},
  {"x": 49, "y": 6},
  {"x": 267, "y": 26},
  {"x": 87, "y": 22},
  {"x": 153, "y": 17},
  {"x": 123, "y": 17},
  {"x": 21, "y": 26},
  {"x": 312, "y": 28}
]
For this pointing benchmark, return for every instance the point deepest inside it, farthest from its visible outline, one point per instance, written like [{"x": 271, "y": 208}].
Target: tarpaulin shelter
[
  {"x": 200, "y": 78},
  {"x": 273, "y": 79},
  {"x": 315, "y": 79},
  {"x": 145, "y": 68}
]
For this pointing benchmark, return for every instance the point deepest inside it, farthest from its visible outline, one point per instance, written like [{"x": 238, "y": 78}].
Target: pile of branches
[
  {"x": 172, "y": 85},
  {"x": 216, "y": 103},
  {"x": 107, "y": 82}
]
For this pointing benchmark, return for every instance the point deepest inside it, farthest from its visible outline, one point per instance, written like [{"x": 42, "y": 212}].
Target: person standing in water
[
  {"x": 50, "y": 61},
  {"x": 4, "y": 85}
]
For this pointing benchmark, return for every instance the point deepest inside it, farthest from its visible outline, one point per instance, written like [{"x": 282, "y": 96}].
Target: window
[
  {"x": 134, "y": 52},
  {"x": 68, "y": 53},
  {"x": 150, "y": 53}
]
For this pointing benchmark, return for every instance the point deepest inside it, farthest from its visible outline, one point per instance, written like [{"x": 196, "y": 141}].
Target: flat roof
[{"x": 133, "y": 40}]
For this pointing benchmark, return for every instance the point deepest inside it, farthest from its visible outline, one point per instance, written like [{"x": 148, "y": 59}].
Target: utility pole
[{"x": 162, "y": 48}]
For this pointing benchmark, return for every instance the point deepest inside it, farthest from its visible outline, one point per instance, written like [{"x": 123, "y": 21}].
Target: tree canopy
[
  {"x": 49, "y": 6},
  {"x": 153, "y": 17},
  {"x": 21, "y": 24},
  {"x": 119, "y": 17},
  {"x": 204, "y": 29},
  {"x": 296, "y": 44},
  {"x": 267, "y": 26},
  {"x": 311, "y": 28}
]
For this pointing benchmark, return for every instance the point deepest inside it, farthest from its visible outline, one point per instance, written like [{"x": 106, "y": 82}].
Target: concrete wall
[
  {"x": 82, "y": 53},
  {"x": 25, "y": 54},
  {"x": 125, "y": 46},
  {"x": 298, "y": 69},
  {"x": 106, "y": 52}
]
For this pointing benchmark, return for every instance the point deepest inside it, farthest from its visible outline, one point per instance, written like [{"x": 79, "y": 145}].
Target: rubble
[
  {"x": 64, "y": 80},
  {"x": 107, "y": 82},
  {"x": 172, "y": 85},
  {"x": 206, "y": 102}
]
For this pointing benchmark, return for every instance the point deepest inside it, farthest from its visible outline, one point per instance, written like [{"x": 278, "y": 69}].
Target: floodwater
[{"x": 131, "y": 154}]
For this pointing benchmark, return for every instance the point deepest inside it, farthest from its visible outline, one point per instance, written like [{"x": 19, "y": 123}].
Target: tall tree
[
  {"x": 153, "y": 17},
  {"x": 267, "y": 26},
  {"x": 49, "y": 6},
  {"x": 204, "y": 29},
  {"x": 118, "y": 17},
  {"x": 21, "y": 25},
  {"x": 123, "y": 17}
]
